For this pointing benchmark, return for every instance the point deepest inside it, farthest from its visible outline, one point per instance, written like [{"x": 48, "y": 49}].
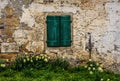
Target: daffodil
[
  {"x": 37, "y": 56},
  {"x": 101, "y": 65},
  {"x": 48, "y": 57},
  {"x": 90, "y": 60},
  {"x": 7, "y": 60},
  {"x": 31, "y": 57},
  {"x": 97, "y": 64},
  {"x": 43, "y": 57},
  {"x": 108, "y": 79},
  {"x": 100, "y": 69},
  {"x": 31, "y": 60},
  {"x": 24, "y": 60},
  {"x": 91, "y": 72},
  {"x": 89, "y": 68},
  {"x": 93, "y": 68},
  {"x": 2, "y": 65},
  {"x": 26, "y": 53},
  {"x": 41, "y": 54},
  {"x": 101, "y": 79},
  {"x": 27, "y": 56},
  {"x": 46, "y": 60},
  {"x": 28, "y": 59},
  {"x": 85, "y": 66},
  {"x": 91, "y": 64},
  {"x": 40, "y": 57}
]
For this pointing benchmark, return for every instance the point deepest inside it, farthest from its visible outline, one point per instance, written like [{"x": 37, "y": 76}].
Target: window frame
[{"x": 48, "y": 1}]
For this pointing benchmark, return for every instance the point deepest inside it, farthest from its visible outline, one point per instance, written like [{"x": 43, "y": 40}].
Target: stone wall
[{"x": 23, "y": 29}]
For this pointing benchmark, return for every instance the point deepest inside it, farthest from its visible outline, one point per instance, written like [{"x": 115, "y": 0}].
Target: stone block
[{"x": 9, "y": 48}]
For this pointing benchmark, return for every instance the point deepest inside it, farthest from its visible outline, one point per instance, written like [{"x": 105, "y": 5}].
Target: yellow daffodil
[
  {"x": 31, "y": 57},
  {"x": 7, "y": 60},
  {"x": 85, "y": 66},
  {"x": 27, "y": 56},
  {"x": 24, "y": 60},
  {"x": 26, "y": 53},
  {"x": 37, "y": 56},
  {"x": 48, "y": 57},
  {"x": 36, "y": 59},
  {"x": 93, "y": 68},
  {"x": 97, "y": 64},
  {"x": 43, "y": 57},
  {"x": 91, "y": 72},
  {"x": 89, "y": 68},
  {"x": 108, "y": 79},
  {"x": 46, "y": 60},
  {"x": 90, "y": 60},
  {"x": 100, "y": 69},
  {"x": 91, "y": 64},
  {"x": 101, "y": 79},
  {"x": 2, "y": 65},
  {"x": 28, "y": 59},
  {"x": 31, "y": 60},
  {"x": 101, "y": 65},
  {"x": 41, "y": 54}
]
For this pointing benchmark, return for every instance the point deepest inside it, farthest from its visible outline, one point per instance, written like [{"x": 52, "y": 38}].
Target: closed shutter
[
  {"x": 58, "y": 31},
  {"x": 65, "y": 31},
  {"x": 53, "y": 31}
]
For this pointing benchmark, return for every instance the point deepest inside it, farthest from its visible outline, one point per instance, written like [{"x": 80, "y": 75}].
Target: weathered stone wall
[{"x": 23, "y": 29}]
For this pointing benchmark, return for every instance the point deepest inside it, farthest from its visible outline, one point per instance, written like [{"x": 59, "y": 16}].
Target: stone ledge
[{"x": 8, "y": 56}]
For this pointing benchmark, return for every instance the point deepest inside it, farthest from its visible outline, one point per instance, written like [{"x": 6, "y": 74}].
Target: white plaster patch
[
  {"x": 113, "y": 10},
  {"x": 38, "y": 8},
  {"x": 3, "y": 3},
  {"x": 69, "y": 9},
  {"x": 27, "y": 17}
]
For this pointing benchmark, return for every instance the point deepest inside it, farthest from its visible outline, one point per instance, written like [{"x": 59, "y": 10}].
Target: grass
[{"x": 75, "y": 74}]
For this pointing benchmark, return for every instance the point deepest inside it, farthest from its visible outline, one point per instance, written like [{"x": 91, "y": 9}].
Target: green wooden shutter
[
  {"x": 65, "y": 31},
  {"x": 53, "y": 33}
]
